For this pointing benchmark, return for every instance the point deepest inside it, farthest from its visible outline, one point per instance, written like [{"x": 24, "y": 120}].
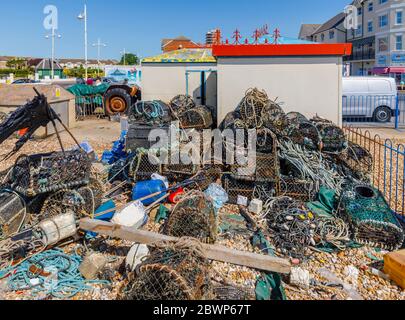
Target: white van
[{"x": 369, "y": 97}]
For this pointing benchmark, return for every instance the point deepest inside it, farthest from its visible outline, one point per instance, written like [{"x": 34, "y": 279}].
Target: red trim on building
[{"x": 268, "y": 50}]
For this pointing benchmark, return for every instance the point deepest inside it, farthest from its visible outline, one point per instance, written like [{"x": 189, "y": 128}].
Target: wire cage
[
  {"x": 199, "y": 117},
  {"x": 171, "y": 274},
  {"x": 305, "y": 134},
  {"x": 13, "y": 213},
  {"x": 251, "y": 107},
  {"x": 62, "y": 202},
  {"x": 143, "y": 165},
  {"x": 334, "y": 139},
  {"x": 275, "y": 119},
  {"x": 44, "y": 173},
  {"x": 232, "y": 293},
  {"x": 266, "y": 141},
  {"x": 297, "y": 189},
  {"x": 138, "y": 135},
  {"x": 153, "y": 112},
  {"x": 372, "y": 221},
  {"x": 296, "y": 117},
  {"x": 181, "y": 103},
  {"x": 358, "y": 159},
  {"x": 194, "y": 216},
  {"x": 210, "y": 173},
  {"x": 5, "y": 178}
]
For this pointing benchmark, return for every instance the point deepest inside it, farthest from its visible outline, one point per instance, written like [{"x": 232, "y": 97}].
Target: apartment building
[{"x": 378, "y": 39}]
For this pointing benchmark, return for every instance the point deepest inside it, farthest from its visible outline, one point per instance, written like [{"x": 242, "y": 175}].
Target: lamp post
[
  {"x": 124, "y": 53},
  {"x": 83, "y": 16},
  {"x": 99, "y": 45},
  {"x": 53, "y": 35}
]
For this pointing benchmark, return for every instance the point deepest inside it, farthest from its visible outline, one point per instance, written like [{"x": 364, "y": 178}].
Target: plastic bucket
[{"x": 145, "y": 188}]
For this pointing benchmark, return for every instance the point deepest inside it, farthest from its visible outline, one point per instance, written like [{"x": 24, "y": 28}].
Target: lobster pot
[
  {"x": 199, "y": 118},
  {"x": 138, "y": 136},
  {"x": 45, "y": 173},
  {"x": 333, "y": 138},
  {"x": 305, "y": 134},
  {"x": 266, "y": 141},
  {"x": 65, "y": 201},
  {"x": 12, "y": 213},
  {"x": 275, "y": 119},
  {"x": 208, "y": 175},
  {"x": 149, "y": 112},
  {"x": 264, "y": 168},
  {"x": 297, "y": 189},
  {"x": 357, "y": 159},
  {"x": 5, "y": 179},
  {"x": 144, "y": 165},
  {"x": 170, "y": 274},
  {"x": 372, "y": 221},
  {"x": 252, "y": 106},
  {"x": 248, "y": 189},
  {"x": 194, "y": 217}
]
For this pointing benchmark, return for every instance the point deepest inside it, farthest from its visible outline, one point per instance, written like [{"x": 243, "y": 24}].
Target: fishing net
[
  {"x": 13, "y": 213},
  {"x": 232, "y": 293},
  {"x": 172, "y": 272},
  {"x": 372, "y": 221},
  {"x": 193, "y": 216},
  {"x": 293, "y": 226},
  {"x": 266, "y": 141},
  {"x": 181, "y": 103},
  {"x": 208, "y": 175},
  {"x": 62, "y": 202},
  {"x": 199, "y": 117},
  {"x": 44, "y": 173}
]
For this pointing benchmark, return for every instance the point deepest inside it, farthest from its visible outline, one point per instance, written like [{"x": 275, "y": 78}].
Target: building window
[
  {"x": 360, "y": 11},
  {"x": 359, "y": 30},
  {"x": 398, "y": 45},
  {"x": 322, "y": 37},
  {"x": 383, "y": 1},
  {"x": 383, "y": 20},
  {"x": 370, "y": 6},
  {"x": 399, "y": 17},
  {"x": 370, "y": 26},
  {"x": 383, "y": 44},
  {"x": 331, "y": 34}
]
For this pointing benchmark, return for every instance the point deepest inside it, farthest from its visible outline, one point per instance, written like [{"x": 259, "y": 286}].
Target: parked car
[
  {"x": 24, "y": 81},
  {"x": 369, "y": 97}
]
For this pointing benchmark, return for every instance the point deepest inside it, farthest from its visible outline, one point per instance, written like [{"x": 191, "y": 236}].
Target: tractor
[{"x": 116, "y": 98}]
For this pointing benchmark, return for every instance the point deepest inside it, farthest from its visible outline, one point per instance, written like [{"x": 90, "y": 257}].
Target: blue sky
[{"x": 139, "y": 25}]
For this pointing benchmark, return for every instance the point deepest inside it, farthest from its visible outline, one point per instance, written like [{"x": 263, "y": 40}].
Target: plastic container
[
  {"x": 394, "y": 266},
  {"x": 132, "y": 216},
  {"x": 145, "y": 188}
]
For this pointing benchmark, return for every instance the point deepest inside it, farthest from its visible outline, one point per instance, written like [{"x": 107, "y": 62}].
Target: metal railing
[
  {"x": 89, "y": 106},
  {"x": 374, "y": 110},
  {"x": 388, "y": 168}
]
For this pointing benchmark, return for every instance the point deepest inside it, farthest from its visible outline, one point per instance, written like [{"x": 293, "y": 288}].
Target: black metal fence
[
  {"x": 388, "y": 171},
  {"x": 89, "y": 106}
]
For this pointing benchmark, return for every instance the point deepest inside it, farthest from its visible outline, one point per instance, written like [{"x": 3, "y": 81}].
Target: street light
[
  {"x": 99, "y": 45},
  {"x": 83, "y": 17},
  {"x": 124, "y": 53},
  {"x": 53, "y": 35}
]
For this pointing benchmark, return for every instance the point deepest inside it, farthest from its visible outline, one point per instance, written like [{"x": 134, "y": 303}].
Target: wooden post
[{"x": 213, "y": 252}]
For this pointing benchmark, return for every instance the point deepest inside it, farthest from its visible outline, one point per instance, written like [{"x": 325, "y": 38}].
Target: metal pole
[
  {"x": 53, "y": 54},
  {"x": 397, "y": 113},
  {"x": 85, "y": 40}
]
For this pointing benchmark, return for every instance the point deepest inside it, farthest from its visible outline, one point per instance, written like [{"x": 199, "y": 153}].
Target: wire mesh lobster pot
[
  {"x": 357, "y": 159},
  {"x": 297, "y": 189},
  {"x": 149, "y": 112},
  {"x": 209, "y": 174},
  {"x": 251, "y": 107},
  {"x": 144, "y": 165},
  {"x": 199, "y": 117},
  {"x": 138, "y": 136},
  {"x": 305, "y": 134},
  {"x": 5, "y": 179},
  {"x": 171, "y": 274},
  {"x": 248, "y": 189},
  {"x": 372, "y": 221},
  {"x": 333, "y": 138},
  {"x": 181, "y": 103},
  {"x": 44, "y": 173},
  {"x": 266, "y": 141},
  {"x": 194, "y": 216},
  {"x": 275, "y": 119},
  {"x": 263, "y": 167},
  {"x": 13, "y": 213}
]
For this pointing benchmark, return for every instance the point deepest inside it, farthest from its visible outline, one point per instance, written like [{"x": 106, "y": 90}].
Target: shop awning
[{"x": 388, "y": 70}]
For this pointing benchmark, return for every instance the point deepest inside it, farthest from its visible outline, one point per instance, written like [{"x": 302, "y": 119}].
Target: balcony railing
[{"x": 368, "y": 54}]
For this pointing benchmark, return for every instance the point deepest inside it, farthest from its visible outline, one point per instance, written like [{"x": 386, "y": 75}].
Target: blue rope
[{"x": 69, "y": 280}]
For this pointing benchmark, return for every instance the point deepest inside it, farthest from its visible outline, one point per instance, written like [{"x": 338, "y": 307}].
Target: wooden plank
[{"x": 213, "y": 252}]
